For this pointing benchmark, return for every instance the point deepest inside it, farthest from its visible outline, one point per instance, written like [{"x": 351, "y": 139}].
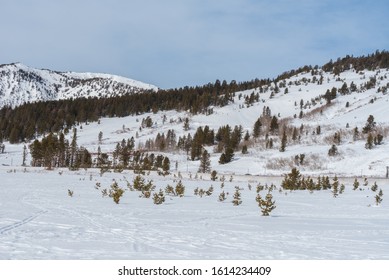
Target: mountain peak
[{"x": 20, "y": 84}]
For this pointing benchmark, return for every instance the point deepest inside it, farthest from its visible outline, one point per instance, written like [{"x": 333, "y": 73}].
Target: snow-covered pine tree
[
  {"x": 180, "y": 189},
  {"x": 374, "y": 188},
  {"x": 355, "y": 184},
  {"x": 267, "y": 205},
  {"x": 335, "y": 186},
  {"x": 237, "y": 197}
]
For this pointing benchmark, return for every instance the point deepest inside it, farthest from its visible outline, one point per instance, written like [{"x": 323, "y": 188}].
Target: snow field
[{"x": 39, "y": 220}]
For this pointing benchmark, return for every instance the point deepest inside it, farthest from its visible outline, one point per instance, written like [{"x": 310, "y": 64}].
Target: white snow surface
[
  {"x": 20, "y": 84},
  {"x": 38, "y": 220}
]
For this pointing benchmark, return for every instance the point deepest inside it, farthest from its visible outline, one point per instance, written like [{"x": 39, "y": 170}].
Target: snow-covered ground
[{"x": 38, "y": 220}]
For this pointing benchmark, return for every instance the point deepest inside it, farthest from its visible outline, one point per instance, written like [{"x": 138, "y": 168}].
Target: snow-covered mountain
[
  {"x": 64, "y": 214},
  {"x": 20, "y": 84}
]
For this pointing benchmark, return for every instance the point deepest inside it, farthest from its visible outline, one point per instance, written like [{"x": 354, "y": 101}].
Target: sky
[{"x": 175, "y": 43}]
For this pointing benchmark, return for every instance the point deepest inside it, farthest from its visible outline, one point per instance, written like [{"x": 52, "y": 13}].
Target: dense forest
[{"x": 26, "y": 122}]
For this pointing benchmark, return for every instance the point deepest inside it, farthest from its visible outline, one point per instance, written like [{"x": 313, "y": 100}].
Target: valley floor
[{"x": 39, "y": 220}]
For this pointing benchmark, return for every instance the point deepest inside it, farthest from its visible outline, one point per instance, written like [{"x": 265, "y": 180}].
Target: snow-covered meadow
[{"x": 39, "y": 220}]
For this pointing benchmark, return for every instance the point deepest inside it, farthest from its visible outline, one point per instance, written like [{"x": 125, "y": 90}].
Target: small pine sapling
[
  {"x": 222, "y": 196},
  {"x": 180, "y": 189},
  {"x": 237, "y": 197},
  {"x": 267, "y": 205},
  {"x": 209, "y": 191},
  {"x": 335, "y": 186},
  {"x": 342, "y": 188},
  {"x": 378, "y": 197},
  {"x": 374, "y": 188},
  {"x": 159, "y": 198},
  {"x": 116, "y": 192},
  {"x": 169, "y": 190},
  {"x": 355, "y": 184}
]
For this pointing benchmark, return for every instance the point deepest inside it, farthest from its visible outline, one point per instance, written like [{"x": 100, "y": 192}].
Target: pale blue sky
[{"x": 172, "y": 43}]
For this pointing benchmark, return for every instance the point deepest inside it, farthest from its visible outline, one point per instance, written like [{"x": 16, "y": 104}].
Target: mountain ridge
[{"x": 20, "y": 84}]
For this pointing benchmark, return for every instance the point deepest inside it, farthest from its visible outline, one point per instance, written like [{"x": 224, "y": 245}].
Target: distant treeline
[{"x": 29, "y": 120}]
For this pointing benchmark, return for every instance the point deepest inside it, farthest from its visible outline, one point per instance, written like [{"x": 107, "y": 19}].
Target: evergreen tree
[
  {"x": 369, "y": 142},
  {"x": 159, "y": 198},
  {"x": 274, "y": 125},
  {"x": 355, "y": 184},
  {"x": 283, "y": 141},
  {"x": 222, "y": 196},
  {"x": 180, "y": 189},
  {"x": 24, "y": 155},
  {"x": 267, "y": 205},
  {"x": 335, "y": 186},
  {"x": 374, "y": 188},
  {"x": 370, "y": 125},
  {"x": 333, "y": 151},
  {"x": 237, "y": 197},
  {"x": 116, "y": 192},
  {"x": 257, "y": 128},
  {"x": 378, "y": 197},
  {"x": 205, "y": 162},
  {"x": 166, "y": 164}
]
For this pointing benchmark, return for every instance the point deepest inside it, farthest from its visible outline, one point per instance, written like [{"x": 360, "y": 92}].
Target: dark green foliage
[
  {"x": 205, "y": 162},
  {"x": 292, "y": 180},
  {"x": 24, "y": 122},
  {"x": 274, "y": 125},
  {"x": 257, "y": 128},
  {"x": 370, "y": 125},
  {"x": 54, "y": 152},
  {"x": 227, "y": 156}
]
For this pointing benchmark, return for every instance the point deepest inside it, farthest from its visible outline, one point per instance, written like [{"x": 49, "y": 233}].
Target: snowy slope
[
  {"x": 21, "y": 84},
  {"x": 38, "y": 220}
]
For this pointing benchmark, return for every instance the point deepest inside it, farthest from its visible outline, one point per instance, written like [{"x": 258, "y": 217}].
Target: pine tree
[
  {"x": 237, "y": 197},
  {"x": 159, "y": 198},
  {"x": 257, "y": 128},
  {"x": 374, "y": 188},
  {"x": 356, "y": 184},
  {"x": 205, "y": 162},
  {"x": 166, "y": 165},
  {"x": 274, "y": 124},
  {"x": 369, "y": 142},
  {"x": 180, "y": 189},
  {"x": 267, "y": 205},
  {"x": 335, "y": 186},
  {"x": 370, "y": 125},
  {"x": 283, "y": 141},
  {"x": 378, "y": 197},
  {"x": 116, "y": 192},
  {"x": 214, "y": 175},
  {"x": 222, "y": 196},
  {"x": 24, "y": 155}
]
